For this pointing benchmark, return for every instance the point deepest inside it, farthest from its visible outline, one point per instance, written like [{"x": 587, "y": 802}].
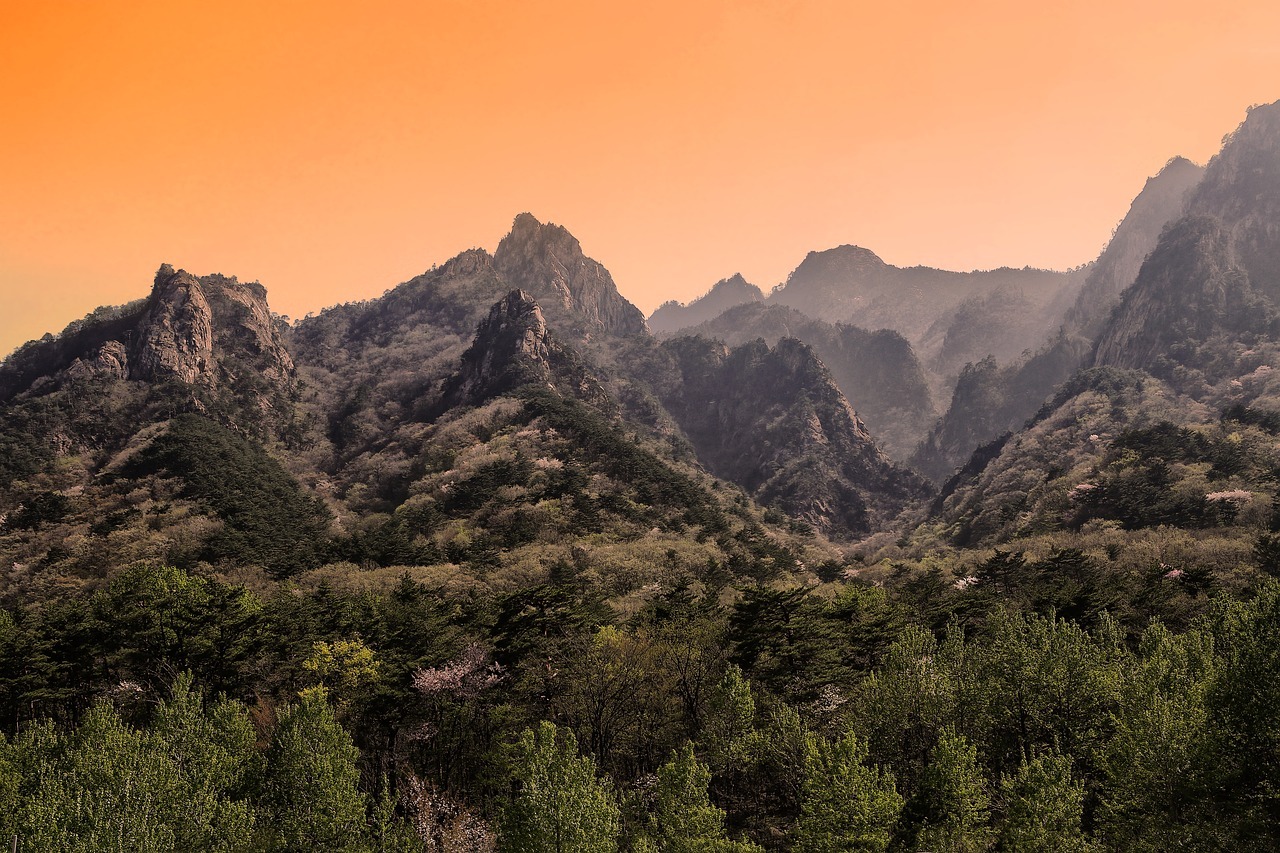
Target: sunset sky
[{"x": 333, "y": 150}]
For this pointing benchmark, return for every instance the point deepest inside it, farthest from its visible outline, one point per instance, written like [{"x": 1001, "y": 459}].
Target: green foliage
[
  {"x": 184, "y": 784},
  {"x": 310, "y": 794},
  {"x": 269, "y": 520},
  {"x": 1043, "y": 808},
  {"x": 559, "y": 805},
  {"x": 952, "y": 800},
  {"x": 684, "y": 820},
  {"x": 846, "y": 806}
]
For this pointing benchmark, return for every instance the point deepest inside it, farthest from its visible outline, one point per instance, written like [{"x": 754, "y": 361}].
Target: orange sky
[{"x": 332, "y": 150}]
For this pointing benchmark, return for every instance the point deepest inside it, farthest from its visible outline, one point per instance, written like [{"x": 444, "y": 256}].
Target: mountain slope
[
  {"x": 989, "y": 400},
  {"x": 672, "y": 317},
  {"x": 773, "y": 421},
  {"x": 876, "y": 371}
]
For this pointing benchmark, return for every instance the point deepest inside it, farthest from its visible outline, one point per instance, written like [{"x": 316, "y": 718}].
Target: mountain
[
  {"x": 878, "y": 372},
  {"x": 213, "y": 332},
  {"x": 547, "y": 261},
  {"x": 1211, "y": 280},
  {"x": 852, "y": 284},
  {"x": 991, "y": 398},
  {"x": 672, "y": 317},
  {"x": 773, "y": 421},
  {"x": 1162, "y": 200},
  {"x": 514, "y": 348}
]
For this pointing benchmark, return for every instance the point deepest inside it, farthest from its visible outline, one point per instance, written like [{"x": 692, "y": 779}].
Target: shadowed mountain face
[
  {"x": 1215, "y": 275},
  {"x": 773, "y": 421},
  {"x": 876, "y": 371},
  {"x": 672, "y": 317},
  {"x": 995, "y": 397}
]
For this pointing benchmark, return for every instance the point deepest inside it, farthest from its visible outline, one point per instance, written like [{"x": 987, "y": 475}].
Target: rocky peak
[
  {"x": 513, "y": 348},
  {"x": 206, "y": 331},
  {"x": 191, "y": 323},
  {"x": 547, "y": 261},
  {"x": 727, "y": 293}
]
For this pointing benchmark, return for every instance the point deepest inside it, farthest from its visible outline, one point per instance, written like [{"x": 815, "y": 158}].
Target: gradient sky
[{"x": 331, "y": 150}]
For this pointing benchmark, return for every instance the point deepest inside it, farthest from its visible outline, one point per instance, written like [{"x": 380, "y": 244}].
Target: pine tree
[
  {"x": 310, "y": 785},
  {"x": 1043, "y": 808},
  {"x": 560, "y": 807},
  {"x": 846, "y": 806},
  {"x": 684, "y": 820},
  {"x": 953, "y": 799}
]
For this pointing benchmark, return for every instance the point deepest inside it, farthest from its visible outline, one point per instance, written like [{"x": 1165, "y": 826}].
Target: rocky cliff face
[
  {"x": 1213, "y": 274},
  {"x": 211, "y": 331},
  {"x": 547, "y": 261},
  {"x": 513, "y": 348},
  {"x": 773, "y": 421},
  {"x": 878, "y": 372},
  {"x": 727, "y": 293}
]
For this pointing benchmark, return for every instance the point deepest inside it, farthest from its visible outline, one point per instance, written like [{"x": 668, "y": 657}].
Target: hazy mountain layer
[{"x": 877, "y": 371}]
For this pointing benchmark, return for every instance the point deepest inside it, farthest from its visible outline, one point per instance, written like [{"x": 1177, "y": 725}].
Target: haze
[{"x": 331, "y": 153}]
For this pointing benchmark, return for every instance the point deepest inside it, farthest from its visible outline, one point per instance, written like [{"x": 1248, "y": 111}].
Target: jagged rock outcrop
[
  {"x": 672, "y": 317},
  {"x": 514, "y": 348},
  {"x": 1216, "y": 272},
  {"x": 878, "y": 372},
  {"x": 547, "y": 261},
  {"x": 774, "y": 422},
  {"x": 210, "y": 331}
]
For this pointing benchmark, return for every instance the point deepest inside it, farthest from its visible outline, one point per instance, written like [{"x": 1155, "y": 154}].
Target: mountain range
[{"x": 903, "y": 536}]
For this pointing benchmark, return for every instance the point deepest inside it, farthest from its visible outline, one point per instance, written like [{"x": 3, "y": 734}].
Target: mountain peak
[
  {"x": 512, "y": 348},
  {"x": 547, "y": 261},
  {"x": 726, "y": 293}
]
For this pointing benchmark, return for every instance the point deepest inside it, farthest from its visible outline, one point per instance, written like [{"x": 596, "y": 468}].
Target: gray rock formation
[{"x": 547, "y": 261}]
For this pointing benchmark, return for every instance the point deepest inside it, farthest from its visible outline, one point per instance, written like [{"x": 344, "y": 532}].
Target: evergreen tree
[
  {"x": 846, "y": 806},
  {"x": 1043, "y": 808},
  {"x": 310, "y": 790},
  {"x": 731, "y": 711},
  {"x": 560, "y": 805},
  {"x": 684, "y": 820},
  {"x": 953, "y": 800}
]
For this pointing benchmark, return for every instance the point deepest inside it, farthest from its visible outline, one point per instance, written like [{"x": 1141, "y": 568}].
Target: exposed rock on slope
[
  {"x": 513, "y": 348},
  {"x": 547, "y": 261},
  {"x": 672, "y": 317},
  {"x": 773, "y": 421},
  {"x": 876, "y": 371},
  {"x": 210, "y": 331}
]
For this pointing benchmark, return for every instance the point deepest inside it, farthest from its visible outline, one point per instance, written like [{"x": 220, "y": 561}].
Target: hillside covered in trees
[{"x": 484, "y": 565}]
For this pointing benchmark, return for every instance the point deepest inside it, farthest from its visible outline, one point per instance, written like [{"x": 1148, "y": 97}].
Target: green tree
[
  {"x": 1043, "y": 808},
  {"x": 309, "y": 790},
  {"x": 953, "y": 799},
  {"x": 560, "y": 807},
  {"x": 684, "y": 819},
  {"x": 726, "y": 729},
  {"x": 846, "y": 806}
]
